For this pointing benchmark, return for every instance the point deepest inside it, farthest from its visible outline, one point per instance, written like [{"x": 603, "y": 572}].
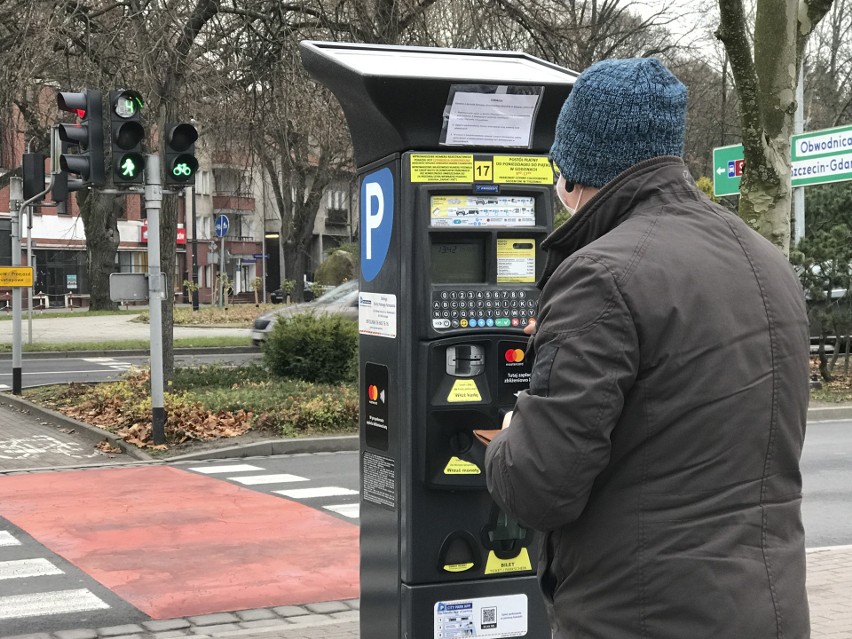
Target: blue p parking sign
[{"x": 376, "y": 221}]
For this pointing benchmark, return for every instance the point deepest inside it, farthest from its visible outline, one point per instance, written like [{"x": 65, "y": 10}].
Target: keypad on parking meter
[{"x": 481, "y": 308}]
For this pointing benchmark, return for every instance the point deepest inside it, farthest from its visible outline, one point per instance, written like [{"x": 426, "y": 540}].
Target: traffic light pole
[
  {"x": 16, "y": 196},
  {"x": 17, "y": 204},
  {"x": 156, "y": 294}
]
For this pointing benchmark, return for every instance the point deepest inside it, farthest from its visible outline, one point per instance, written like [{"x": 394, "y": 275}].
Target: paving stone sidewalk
[{"x": 829, "y": 590}]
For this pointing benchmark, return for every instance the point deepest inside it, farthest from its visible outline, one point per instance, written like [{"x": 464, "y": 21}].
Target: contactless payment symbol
[
  {"x": 376, "y": 221},
  {"x": 514, "y": 355}
]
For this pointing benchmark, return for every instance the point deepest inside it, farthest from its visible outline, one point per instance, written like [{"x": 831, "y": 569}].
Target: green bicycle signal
[{"x": 183, "y": 167}]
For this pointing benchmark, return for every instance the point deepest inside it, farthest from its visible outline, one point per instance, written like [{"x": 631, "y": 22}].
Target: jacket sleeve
[{"x": 541, "y": 469}]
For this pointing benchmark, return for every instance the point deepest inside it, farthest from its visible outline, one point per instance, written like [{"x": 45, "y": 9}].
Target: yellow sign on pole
[{"x": 16, "y": 276}]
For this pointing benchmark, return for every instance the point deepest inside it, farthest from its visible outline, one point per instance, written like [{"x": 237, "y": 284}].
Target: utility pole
[{"x": 156, "y": 294}]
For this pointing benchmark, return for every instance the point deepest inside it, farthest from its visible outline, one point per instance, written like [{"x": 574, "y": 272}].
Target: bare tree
[{"x": 766, "y": 76}]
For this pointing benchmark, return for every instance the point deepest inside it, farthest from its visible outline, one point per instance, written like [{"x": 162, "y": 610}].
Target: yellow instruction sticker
[
  {"x": 515, "y": 259},
  {"x": 494, "y": 565},
  {"x": 458, "y": 567},
  {"x": 458, "y": 466},
  {"x": 522, "y": 169},
  {"x": 441, "y": 167},
  {"x": 464, "y": 390}
]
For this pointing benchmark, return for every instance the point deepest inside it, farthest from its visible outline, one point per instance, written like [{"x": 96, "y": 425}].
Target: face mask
[{"x": 571, "y": 211}]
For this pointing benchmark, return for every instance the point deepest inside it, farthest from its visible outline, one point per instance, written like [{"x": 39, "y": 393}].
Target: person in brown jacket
[{"x": 658, "y": 445}]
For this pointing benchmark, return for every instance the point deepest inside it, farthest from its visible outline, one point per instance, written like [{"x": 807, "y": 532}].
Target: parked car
[
  {"x": 278, "y": 296},
  {"x": 342, "y": 300}
]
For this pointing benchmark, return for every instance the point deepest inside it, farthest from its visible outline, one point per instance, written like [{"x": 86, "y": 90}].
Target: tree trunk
[
  {"x": 100, "y": 223},
  {"x": 168, "y": 255}
]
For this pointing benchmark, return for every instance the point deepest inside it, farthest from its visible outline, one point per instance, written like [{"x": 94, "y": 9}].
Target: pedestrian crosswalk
[
  {"x": 36, "y": 576},
  {"x": 339, "y": 500}
]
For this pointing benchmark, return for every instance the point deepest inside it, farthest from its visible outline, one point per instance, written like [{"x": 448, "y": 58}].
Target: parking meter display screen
[{"x": 458, "y": 261}]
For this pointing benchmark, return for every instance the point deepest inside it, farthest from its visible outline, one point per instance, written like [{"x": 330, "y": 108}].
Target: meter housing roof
[{"x": 394, "y": 96}]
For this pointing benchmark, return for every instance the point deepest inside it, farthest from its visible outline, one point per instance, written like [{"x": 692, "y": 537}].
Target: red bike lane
[{"x": 174, "y": 544}]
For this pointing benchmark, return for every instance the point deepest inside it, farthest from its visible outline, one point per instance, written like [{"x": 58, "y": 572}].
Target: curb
[
  {"x": 95, "y": 435},
  {"x": 279, "y": 620},
  {"x": 829, "y": 413}
]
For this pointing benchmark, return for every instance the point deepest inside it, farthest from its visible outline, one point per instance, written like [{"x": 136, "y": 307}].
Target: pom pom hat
[{"x": 619, "y": 113}]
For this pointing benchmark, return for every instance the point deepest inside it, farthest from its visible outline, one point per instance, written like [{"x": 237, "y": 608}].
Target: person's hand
[
  {"x": 529, "y": 329},
  {"x": 506, "y": 419}
]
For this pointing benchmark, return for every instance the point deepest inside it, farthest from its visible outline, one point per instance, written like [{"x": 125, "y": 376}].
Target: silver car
[{"x": 342, "y": 300}]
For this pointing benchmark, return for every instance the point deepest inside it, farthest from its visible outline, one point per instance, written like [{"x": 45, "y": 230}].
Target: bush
[{"x": 315, "y": 348}]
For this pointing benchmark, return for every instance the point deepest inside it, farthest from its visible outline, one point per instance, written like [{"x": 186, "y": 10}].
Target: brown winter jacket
[{"x": 658, "y": 445}]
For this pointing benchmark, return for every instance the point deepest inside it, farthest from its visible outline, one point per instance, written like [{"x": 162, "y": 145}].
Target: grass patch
[
  {"x": 836, "y": 391},
  {"x": 208, "y": 403},
  {"x": 129, "y": 344}
]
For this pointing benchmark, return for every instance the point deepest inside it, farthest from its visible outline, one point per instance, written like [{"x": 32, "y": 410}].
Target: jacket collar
[{"x": 610, "y": 207}]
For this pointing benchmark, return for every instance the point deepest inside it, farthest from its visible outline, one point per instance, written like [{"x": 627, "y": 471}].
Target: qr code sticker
[{"x": 489, "y": 618}]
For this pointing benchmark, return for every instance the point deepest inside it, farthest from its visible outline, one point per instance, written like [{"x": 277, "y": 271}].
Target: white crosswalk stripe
[
  {"x": 6, "y": 539},
  {"x": 353, "y": 511},
  {"x": 310, "y": 493},
  {"x": 231, "y": 468},
  {"x": 21, "y": 568},
  {"x": 49, "y": 603},
  {"x": 315, "y": 492},
  {"x": 259, "y": 480},
  {"x": 108, "y": 361}
]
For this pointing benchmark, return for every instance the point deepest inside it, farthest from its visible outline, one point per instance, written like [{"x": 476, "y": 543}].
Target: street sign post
[
  {"x": 727, "y": 169},
  {"x": 820, "y": 157},
  {"x": 221, "y": 226}
]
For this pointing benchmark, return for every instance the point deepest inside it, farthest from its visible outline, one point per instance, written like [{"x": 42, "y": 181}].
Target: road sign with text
[
  {"x": 16, "y": 276},
  {"x": 820, "y": 157},
  {"x": 727, "y": 169}
]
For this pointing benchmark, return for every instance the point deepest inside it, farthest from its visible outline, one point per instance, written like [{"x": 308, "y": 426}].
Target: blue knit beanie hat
[{"x": 619, "y": 113}]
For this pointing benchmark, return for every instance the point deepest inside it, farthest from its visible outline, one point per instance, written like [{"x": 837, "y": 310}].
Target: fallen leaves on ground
[{"x": 106, "y": 447}]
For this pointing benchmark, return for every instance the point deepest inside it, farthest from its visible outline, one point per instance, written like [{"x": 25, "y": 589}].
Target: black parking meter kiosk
[{"x": 456, "y": 196}]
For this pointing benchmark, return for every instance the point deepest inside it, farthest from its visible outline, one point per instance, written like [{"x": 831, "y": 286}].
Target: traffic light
[
  {"x": 87, "y": 136},
  {"x": 32, "y": 169},
  {"x": 180, "y": 163},
  {"x": 127, "y": 135}
]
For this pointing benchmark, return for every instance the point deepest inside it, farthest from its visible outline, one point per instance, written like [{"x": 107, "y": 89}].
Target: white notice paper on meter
[
  {"x": 482, "y": 618},
  {"x": 490, "y": 119},
  {"x": 377, "y": 314}
]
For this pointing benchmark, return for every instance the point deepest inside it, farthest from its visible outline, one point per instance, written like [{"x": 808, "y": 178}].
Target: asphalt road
[
  {"x": 102, "y": 368},
  {"x": 827, "y": 479}
]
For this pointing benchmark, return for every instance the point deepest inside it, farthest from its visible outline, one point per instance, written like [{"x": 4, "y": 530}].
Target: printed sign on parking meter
[{"x": 727, "y": 169}]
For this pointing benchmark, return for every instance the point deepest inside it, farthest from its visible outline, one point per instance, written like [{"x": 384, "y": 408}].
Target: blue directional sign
[{"x": 221, "y": 226}]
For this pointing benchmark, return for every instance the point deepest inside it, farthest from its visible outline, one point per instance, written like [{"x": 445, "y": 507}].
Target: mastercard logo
[
  {"x": 373, "y": 392},
  {"x": 514, "y": 355}
]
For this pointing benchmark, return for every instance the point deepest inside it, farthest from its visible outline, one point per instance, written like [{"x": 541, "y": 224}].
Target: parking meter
[{"x": 456, "y": 196}]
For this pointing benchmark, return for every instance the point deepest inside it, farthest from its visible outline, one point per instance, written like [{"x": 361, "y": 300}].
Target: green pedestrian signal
[{"x": 131, "y": 166}]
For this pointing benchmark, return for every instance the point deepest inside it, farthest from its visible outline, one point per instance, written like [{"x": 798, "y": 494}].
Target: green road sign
[
  {"x": 819, "y": 157},
  {"x": 727, "y": 169}
]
